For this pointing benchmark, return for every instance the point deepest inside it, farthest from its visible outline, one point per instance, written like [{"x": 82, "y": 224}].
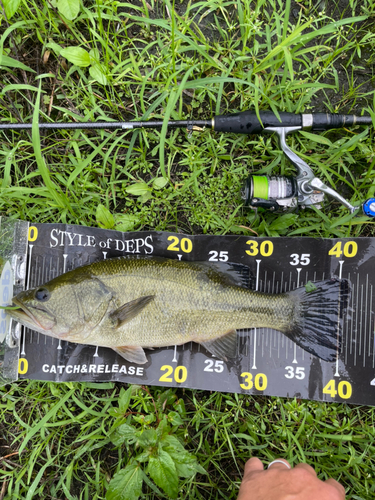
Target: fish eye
[{"x": 42, "y": 294}]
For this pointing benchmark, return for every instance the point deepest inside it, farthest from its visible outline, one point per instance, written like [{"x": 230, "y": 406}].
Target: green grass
[{"x": 162, "y": 59}]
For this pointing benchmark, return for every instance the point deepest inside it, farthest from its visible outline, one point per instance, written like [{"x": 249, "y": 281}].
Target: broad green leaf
[
  {"x": 126, "y": 484},
  {"x": 185, "y": 463},
  {"x": 148, "y": 437},
  {"x": 124, "y": 434},
  {"x": 174, "y": 418},
  {"x": 11, "y": 7},
  {"x": 283, "y": 222},
  {"x": 94, "y": 56},
  {"x": 68, "y": 8},
  {"x": 163, "y": 429},
  {"x": 138, "y": 189},
  {"x": 76, "y": 55},
  {"x": 163, "y": 471},
  {"x": 97, "y": 73},
  {"x": 189, "y": 468},
  {"x": 9, "y": 62},
  {"x": 55, "y": 47},
  {"x": 126, "y": 222},
  {"x": 145, "y": 197},
  {"x": 104, "y": 218},
  {"x": 159, "y": 182}
]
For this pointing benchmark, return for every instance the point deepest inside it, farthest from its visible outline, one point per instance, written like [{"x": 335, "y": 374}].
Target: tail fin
[{"x": 318, "y": 317}]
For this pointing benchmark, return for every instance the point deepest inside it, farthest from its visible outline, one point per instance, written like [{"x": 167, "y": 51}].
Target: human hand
[{"x": 281, "y": 482}]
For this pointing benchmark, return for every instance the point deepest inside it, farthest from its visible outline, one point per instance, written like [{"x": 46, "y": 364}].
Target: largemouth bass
[{"x": 132, "y": 303}]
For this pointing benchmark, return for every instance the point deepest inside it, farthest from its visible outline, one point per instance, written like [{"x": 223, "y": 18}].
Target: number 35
[
  {"x": 299, "y": 373},
  {"x": 303, "y": 259}
]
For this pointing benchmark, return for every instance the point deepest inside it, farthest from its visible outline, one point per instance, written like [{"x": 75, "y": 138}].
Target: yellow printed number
[
  {"x": 23, "y": 366},
  {"x": 185, "y": 245},
  {"x": 265, "y": 248},
  {"x": 33, "y": 233},
  {"x": 344, "y": 389},
  {"x": 260, "y": 381},
  {"x": 350, "y": 249},
  {"x": 179, "y": 374}
]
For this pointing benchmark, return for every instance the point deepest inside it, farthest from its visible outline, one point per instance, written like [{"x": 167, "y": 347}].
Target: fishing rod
[{"x": 276, "y": 193}]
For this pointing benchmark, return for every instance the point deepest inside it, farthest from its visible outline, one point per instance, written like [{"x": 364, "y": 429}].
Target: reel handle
[{"x": 369, "y": 207}]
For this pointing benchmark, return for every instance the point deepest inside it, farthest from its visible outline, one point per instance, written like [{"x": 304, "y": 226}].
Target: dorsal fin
[{"x": 226, "y": 273}]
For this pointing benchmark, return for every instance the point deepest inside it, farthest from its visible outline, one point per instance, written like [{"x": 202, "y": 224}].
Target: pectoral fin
[
  {"x": 224, "y": 347},
  {"x": 134, "y": 354},
  {"x": 129, "y": 310}
]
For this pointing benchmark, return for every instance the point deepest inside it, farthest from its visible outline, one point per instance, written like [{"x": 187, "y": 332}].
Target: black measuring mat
[{"x": 268, "y": 361}]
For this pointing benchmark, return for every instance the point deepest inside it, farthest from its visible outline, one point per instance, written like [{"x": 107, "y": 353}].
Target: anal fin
[
  {"x": 134, "y": 354},
  {"x": 223, "y": 347}
]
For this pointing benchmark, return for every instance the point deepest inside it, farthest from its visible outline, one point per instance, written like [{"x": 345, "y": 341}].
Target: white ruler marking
[
  {"x": 254, "y": 367},
  {"x": 360, "y": 324},
  {"x": 347, "y": 326},
  {"x": 298, "y": 269},
  {"x": 365, "y": 323},
  {"x": 174, "y": 360},
  {"x": 64, "y": 265},
  {"x": 370, "y": 337},
  {"x": 341, "y": 262},
  {"x": 356, "y": 322}
]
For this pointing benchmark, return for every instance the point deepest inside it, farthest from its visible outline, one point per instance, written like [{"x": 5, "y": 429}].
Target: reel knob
[{"x": 369, "y": 207}]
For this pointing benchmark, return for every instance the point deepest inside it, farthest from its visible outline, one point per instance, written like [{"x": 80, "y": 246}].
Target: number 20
[{"x": 185, "y": 245}]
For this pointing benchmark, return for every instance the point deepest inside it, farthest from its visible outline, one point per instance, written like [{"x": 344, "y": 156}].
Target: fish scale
[{"x": 181, "y": 314}]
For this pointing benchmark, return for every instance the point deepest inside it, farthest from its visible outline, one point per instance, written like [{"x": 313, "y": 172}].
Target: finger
[
  {"x": 252, "y": 465},
  {"x": 339, "y": 487},
  {"x": 307, "y": 468},
  {"x": 280, "y": 464}
]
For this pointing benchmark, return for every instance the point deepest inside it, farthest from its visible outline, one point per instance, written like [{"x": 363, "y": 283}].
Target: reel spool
[{"x": 276, "y": 192}]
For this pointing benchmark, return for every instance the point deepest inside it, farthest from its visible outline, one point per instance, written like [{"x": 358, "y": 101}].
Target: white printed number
[
  {"x": 215, "y": 256},
  {"x": 214, "y": 366},
  {"x": 303, "y": 259},
  {"x": 299, "y": 372}
]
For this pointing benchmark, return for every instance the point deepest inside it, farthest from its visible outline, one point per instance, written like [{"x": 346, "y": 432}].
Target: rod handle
[{"x": 247, "y": 122}]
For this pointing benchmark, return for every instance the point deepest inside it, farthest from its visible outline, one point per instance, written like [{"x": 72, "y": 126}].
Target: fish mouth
[{"x": 24, "y": 316}]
